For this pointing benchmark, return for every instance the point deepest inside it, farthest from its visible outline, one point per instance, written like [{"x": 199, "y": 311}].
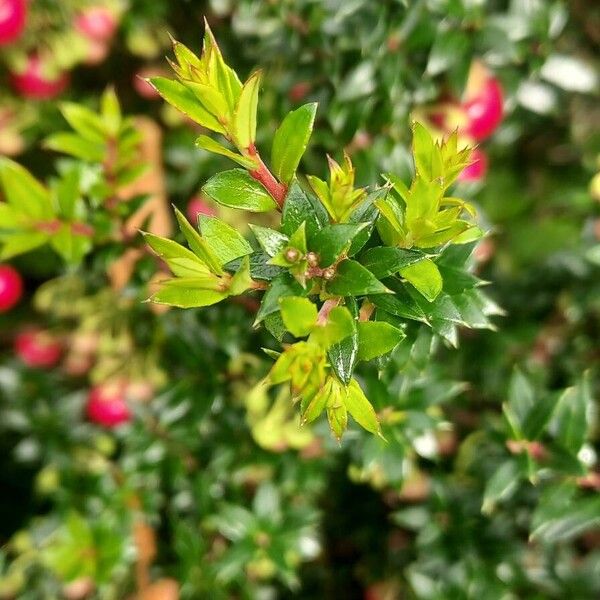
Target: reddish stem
[
  {"x": 327, "y": 307},
  {"x": 262, "y": 174}
]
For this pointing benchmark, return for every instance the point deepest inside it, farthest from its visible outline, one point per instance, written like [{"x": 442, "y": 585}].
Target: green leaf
[
  {"x": 333, "y": 240},
  {"x": 502, "y": 485},
  {"x": 19, "y": 243},
  {"x": 427, "y": 154},
  {"x": 337, "y": 413},
  {"x": 384, "y": 261},
  {"x": 67, "y": 192},
  {"x": 210, "y": 145},
  {"x": 539, "y": 416},
  {"x": 521, "y": 397},
  {"x": 76, "y": 146},
  {"x": 367, "y": 212},
  {"x": 180, "y": 260},
  {"x": 242, "y": 280},
  {"x": 184, "y": 100},
  {"x": 573, "y": 416},
  {"x": 342, "y": 357},
  {"x": 299, "y": 315},
  {"x": 300, "y": 207},
  {"x": 237, "y": 189},
  {"x": 270, "y": 240},
  {"x": 198, "y": 245},
  {"x": 376, "y": 338},
  {"x": 339, "y": 325},
  {"x": 244, "y": 118},
  {"x": 24, "y": 192},
  {"x": 318, "y": 403},
  {"x": 110, "y": 110},
  {"x": 85, "y": 122},
  {"x": 360, "y": 409},
  {"x": 425, "y": 277},
  {"x": 211, "y": 98},
  {"x": 290, "y": 141},
  {"x": 352, "y": 279},
  {"x": 561, "y": 516},
  {"x": 224, "y": 241},
  {"x": 188, "y": 292},
  {"x": 401, "y": 304},
  {"x": 281, "y": 286},
  {"x": 72, "y": 248}
]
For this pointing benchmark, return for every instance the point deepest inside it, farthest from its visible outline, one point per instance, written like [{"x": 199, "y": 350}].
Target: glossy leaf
[
  {"x": 377, "y": 338},
  {"x": 290, "y": 141},
  {"x": 237, "y": 189},
  {"x": 384, "y": 261},
  {"x": 224, "y": 240},
  {"x": 352, "y": 279},
  {"x": 333, "y": 241},
  {"x": 299, "y": 208},
  {"x": 342, "y": 357},
  {"x": 425, "y": 277}
]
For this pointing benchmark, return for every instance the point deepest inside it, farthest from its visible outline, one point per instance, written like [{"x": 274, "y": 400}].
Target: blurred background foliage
[{"x": 488, "y": 485}]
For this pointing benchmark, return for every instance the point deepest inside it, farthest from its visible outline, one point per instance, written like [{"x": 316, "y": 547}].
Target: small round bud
[
  {"x": 312, "y": 259},
  {"x": 329, "y": 273},
  {"x": 292, "y": 255}
]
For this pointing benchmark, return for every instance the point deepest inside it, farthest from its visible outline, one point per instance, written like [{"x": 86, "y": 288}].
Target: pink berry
[
  {"x": 477, "y": 170},
  {"x": 13, "y": 14},
  {"x": 106, "y": 405},
  {"x": 11, "y": 287},
  {"x": 37, "y": 348},
  {"x": 34, "y": 83},
  {"x": 97, "y": 51},
  {"x": 198, "y": 206},
  {"x": 96, "y": 23},
  {"x": 483, "y": 102},
  {"x": 142, "y": 87}
]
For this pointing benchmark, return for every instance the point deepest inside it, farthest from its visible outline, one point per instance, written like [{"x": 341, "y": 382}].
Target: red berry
[
  {"x": 34, "y": 83},
  {"x": 483, "y": 102},
  {"x": 198, "y": 206},
  {"x": 477, "y": 170},
  {"x": 96, "y": 23},
  {"x": 299, "y": 91},
  {"x": 11, "y": 287},
  {"x": 106, "y": 405},
  {"x": 13, "y": 14},
  {"x": 37, "y": 348}
]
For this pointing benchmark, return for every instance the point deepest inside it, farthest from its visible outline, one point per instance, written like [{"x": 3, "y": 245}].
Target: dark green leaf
[
  {"x": 384, "y": 261},
  {"x": 343, "y": 356},
  {"x": 502, "y": 485},
  {"x": 333, "y": 240},
  {"x": 282, "y": 286},
  {"x": 301, "y": 207},
  {"x": 270, "y": 240}
]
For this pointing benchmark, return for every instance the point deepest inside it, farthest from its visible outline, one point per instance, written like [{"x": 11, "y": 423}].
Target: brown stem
[
  {"x": 327, "y": 307},
  {"x": 366, "y": 310},
  {"x": 262, "y": 174}
]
